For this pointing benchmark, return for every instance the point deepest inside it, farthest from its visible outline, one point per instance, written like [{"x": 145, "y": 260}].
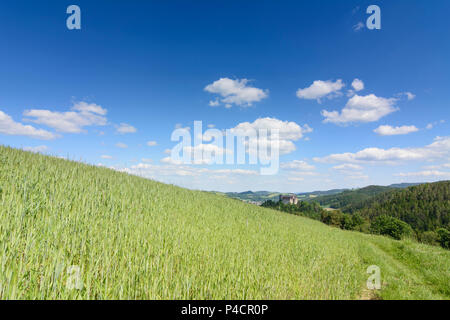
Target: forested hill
[
  {"x": 425, "y": 207},
  {"x": 347, "y": 197}
]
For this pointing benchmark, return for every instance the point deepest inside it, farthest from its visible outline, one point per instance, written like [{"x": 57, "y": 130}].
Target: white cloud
[
  {"x": 429, "y": 126},
  {"x": 180, "y": 126},
  {"x": 359, "y": 26},
  {"x": 357, "y": 85},
  {"x": 121, "y": 145},
  {"x": 427, "y": 173},
  {"x": 438, "y": 149},
  {"x": 320, "y": 89},
  {"x": 152, "y": 143},
  {"x": 237, "y": 171},
  {"x": 347, "y": 166},
  {"x": 82, "y": 115},
  {"x": 125, "y": 128},
  {"x": 392, "y": 131},
  {"x": 146, "y": 160},
  {"x": 437, "y": 166},
  {"x": 409, "y": 95},
  {"x": 214, "y": 103},
  {"x": 297, "y": 165},
  {"x": 9, "y": 127},
  {"x": 85, "y": 107},
  {"x": 288, "y": 132},
  {"x": 37, "y": 149},
  {"x": 368, "y": 108},
  {"x": 304, "y": 173},
  {"x": 236, "y": 92},
  {"x": 105, "y": 156}
]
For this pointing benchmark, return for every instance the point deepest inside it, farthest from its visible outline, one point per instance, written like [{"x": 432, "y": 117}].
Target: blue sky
[{"x": 147, "y": 65}]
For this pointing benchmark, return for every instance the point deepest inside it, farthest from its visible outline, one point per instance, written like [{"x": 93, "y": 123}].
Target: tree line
[{"x": 420, "y": 212}]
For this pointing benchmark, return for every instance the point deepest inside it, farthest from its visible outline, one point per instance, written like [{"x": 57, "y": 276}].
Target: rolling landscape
[
  {"x": 133, "y": 238},
  {"x": 225, "y": 159}
]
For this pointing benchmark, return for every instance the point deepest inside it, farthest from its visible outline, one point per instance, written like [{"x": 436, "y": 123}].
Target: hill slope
[
  {"x": 425, "y": 207},
  {"x": 349, "y": 197},
  {"x": 133, "y": 238}
]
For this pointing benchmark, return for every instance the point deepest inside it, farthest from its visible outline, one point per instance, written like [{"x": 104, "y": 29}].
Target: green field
[{"x": 133, "y": 238}]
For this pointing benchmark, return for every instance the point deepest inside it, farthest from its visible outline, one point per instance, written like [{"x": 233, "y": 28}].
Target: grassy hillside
[{"x": 137, "y": 239}]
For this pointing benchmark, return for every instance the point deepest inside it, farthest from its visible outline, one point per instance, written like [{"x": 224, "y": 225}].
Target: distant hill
[
  {"x": 404, "y": 185},
  {"x": 314, "y": 194},
  {"x": 348, "y": 197},
  {"x": 340, "y": 200},
  {"x": 261, "y": 196},
  {"x": 325, "y": 198}
]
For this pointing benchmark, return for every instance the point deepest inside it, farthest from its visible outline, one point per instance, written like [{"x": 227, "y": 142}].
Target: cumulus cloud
[
  {"x": 125, "y": 128},
  {"x": 152, "y": 143},
  {"x": 347, "y": 166},
  {"x": 408, "y": 95},
  {"x": 368, "y": 108},
  {"x": 357, "y": 85},
  {"x": 392, "y": 131},
  {"x": 105, "y": 156},
  {"x": 440, "y": 148},
  {"x": 214, "y": 103},
  {"x": 81, "y": 115},
  {"x": 297, "y": 165},
  {"x": 288, "y": 132},
  {"x": 321, "y": 89},
  {"x": 236, "y": 92},
  {"x": 10, "y": 127}
]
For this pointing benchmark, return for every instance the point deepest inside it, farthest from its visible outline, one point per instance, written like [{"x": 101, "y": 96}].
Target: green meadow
[{"x": 74, "y": 231}]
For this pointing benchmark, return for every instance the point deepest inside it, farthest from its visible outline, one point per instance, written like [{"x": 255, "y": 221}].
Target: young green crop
[{"x": 74, "y": 231}]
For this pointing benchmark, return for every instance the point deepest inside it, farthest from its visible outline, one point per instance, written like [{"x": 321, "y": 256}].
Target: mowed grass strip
[{"x": 134, "y": 238}]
